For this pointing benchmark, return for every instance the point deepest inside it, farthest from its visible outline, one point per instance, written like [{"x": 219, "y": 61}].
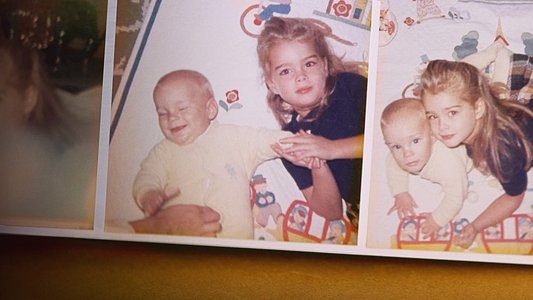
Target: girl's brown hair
[
  {"x": 288, "y": 29},
  {"x": 502, "y": 137}
]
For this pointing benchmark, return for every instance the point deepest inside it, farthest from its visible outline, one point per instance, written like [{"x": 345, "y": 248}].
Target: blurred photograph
[{"x": 51, "y": 53}]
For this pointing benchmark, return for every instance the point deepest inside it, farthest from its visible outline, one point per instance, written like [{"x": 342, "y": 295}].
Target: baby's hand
[
  {"x": 152, "y": 200},
  {"x": 404, "y": 204},
  {"x": 429, "y": 226},
  {"x": 466, "y": 237}
]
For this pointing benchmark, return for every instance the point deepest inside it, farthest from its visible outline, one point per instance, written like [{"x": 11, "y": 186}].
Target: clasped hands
[{"x": 304, "y": 149}]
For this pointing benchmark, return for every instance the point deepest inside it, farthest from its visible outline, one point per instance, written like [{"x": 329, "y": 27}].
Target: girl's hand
[
  {"x": 404, "y": 204},
  {"x": 466, "y": 237},
  {"x": 296, "y": 159},
  {"x": 306, "y": 145},
  {"x": 429, "y": 226}
]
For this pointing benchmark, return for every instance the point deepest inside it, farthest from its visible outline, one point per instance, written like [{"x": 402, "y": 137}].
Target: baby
[
  {"x": 408, "y": 136},
  {"x": 201, "y": 162}
]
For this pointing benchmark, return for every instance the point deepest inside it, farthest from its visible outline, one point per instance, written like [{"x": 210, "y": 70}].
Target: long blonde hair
[
  {"x": 502, "y": 136},
  {"x": 288, "y": 29}
]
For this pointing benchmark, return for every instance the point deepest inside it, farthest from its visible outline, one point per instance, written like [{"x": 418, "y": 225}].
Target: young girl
[
  {"x": 310, "y": 93},
  {"x": 463, "y": 108}
]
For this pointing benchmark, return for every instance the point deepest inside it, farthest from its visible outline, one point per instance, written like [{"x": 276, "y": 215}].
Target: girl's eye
[
  {"x": 431, "y": 117},
  {"x": 452, "y": 113},
  {"x": 310, "y": 63},
  {"x": 416, "y": 141},
  {"x": 284, "y": 72}
]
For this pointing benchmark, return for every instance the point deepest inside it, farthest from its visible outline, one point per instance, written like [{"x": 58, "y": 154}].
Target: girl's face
[
  {"x": 298, "y": 74},
  {"x": 452, "y": 119}
]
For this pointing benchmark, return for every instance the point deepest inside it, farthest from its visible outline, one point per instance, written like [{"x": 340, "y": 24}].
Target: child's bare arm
[
  {"x": 404, "y": 205},
  {"x": 324, "y": 196},
  {"x": 501, "y": 208},
  {"x": 348, "y": 148},
  {"x": 307, "y": 145}
]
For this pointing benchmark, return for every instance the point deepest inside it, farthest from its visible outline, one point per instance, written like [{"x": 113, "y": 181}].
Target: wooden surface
[{"x": 64, "y": 268}]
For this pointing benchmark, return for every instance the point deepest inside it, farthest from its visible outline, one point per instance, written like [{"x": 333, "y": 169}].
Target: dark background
[{"x": 70, "y": 35}]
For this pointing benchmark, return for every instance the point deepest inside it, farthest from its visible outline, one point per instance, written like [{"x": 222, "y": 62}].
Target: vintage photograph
[
  {"x": 241, "y": 120},
  {"x": 453, "y": 125},
  {"x": 51, "y": 57}
]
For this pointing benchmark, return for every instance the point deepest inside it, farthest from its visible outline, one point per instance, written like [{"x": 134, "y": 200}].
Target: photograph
[
  {"x": 394, "y": 129},
  {"x": 450, "y": 168},
  {"x": 52, "y": 58},
  {"x": 240, "y": 121}
]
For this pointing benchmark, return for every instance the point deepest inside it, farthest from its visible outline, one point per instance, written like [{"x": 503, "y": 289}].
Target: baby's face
[
  {"x": 184, "y": 113},
  {"x": 410, "y": 143}
]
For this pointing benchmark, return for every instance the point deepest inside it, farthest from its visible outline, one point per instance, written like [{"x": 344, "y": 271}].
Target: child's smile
[
  {"x": 183, "y": 112},
  {"x": 177, "y": 129}
]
